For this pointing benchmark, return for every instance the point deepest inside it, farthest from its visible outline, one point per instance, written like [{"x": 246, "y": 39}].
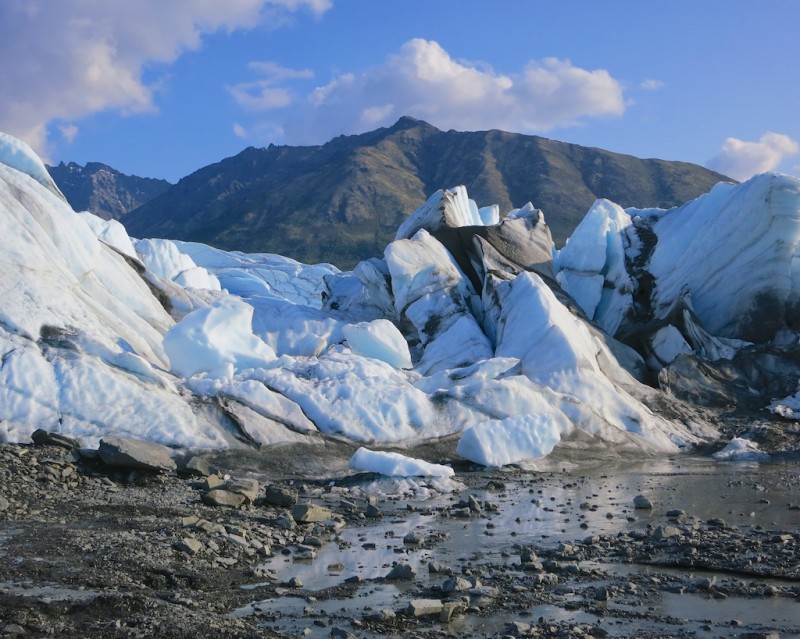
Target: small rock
[
  {"x": 373, "y": 512},
  {"x": 401, "y": 572},
  {"x": 437, "y": 567},
  {"x": 42, "y": 437},
  {"x": 456, "y": 584},
  {"x": 665, "y": 532},
  {"x": 13, "y": 629},
  {"x": 414, "y": 538},
  {"x": 424, "y": 607},
  {"x": 310, "y": 513},
  {"x": 473, "y": 504},
  {"x": 247, "y": 487},
  {"x": 214, "y": 481},
  {"x": 518, "y": 628},
  {"x": 295, "y": 582},
  {"x": 387, "y": 614},
  {"x": 218, "y": 497},
  {"x": 450, "y": 609},
  {"x": 640, "y": 502},
  {"x": 705, "y": 583},
  {"x": 197, "y": 467},
  {"x": 188, "y": 545},
  {"x": 4, "y": 503},
  {"x": 602, "y": 594},
  {"x": 276, "y": 495}
]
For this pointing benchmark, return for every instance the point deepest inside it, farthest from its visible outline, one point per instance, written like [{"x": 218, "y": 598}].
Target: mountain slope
[
  {"x": 342, "y": 201},
  {"x": 104, "y": 191}
]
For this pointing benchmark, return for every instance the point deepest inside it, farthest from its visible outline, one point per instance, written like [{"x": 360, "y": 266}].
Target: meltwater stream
[{"x": 543, "y": 510}]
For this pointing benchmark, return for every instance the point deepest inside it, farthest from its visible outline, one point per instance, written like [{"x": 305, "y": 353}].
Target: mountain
[
  {"x": 104, "y": 191},
  {"x": 343, "y": 201}
]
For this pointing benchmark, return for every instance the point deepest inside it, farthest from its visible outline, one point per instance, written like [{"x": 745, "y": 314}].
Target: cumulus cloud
[
  {"x": 741, "y": 160},
  {"x": 65, "y": 60},
  {"x": 424, "y": 81}
]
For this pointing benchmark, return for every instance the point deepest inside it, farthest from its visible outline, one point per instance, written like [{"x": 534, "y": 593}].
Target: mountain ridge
[
  {"x": 342, "y": 201},
  {"x": 103, "y": 190}
]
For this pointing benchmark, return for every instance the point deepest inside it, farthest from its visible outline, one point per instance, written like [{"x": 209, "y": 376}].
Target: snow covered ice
[{"x": 470, "y": 326}]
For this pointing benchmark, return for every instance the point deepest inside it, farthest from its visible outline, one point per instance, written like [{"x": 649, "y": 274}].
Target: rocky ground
[{"x": 92, "y": 546}]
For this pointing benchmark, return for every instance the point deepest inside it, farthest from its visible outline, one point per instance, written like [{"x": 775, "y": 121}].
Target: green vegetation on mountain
[{"x": 342, "y": 201}]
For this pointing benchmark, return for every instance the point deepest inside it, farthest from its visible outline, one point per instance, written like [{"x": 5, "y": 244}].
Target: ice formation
[
  {"x": 741, "y": 449},
  {"x": 396, "y": 465},
  {"x": 460, "y": 330}
]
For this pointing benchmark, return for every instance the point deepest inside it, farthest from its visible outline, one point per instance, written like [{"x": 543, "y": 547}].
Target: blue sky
[{"x": 161, "y": 89}]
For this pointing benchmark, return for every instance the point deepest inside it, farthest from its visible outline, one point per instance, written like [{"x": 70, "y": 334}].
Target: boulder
[
  {"x": 133, "y": 453},
  {"x": 197, "y": 467},
  {"x": 247, "y": 487},
  {"x": 42, "y": 437},
  {"x": 310, "y": 513},
  {"x": 219, "y": 497},
  {"x": 401, "y": 572},
  {"x": 424, "y": 607},
  {"x": 276, "y": 495}
]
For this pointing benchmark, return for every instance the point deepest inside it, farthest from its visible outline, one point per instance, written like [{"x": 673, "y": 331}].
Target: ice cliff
[{"x": 469, "y": 327}]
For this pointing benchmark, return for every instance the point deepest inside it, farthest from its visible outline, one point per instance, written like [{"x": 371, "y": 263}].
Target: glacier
[{"x": 471, "y": 329}]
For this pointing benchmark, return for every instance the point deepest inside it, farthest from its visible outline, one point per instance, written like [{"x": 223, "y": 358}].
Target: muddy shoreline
[{"x": 89, "y": 550}]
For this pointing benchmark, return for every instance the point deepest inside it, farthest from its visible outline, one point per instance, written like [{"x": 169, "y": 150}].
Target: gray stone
[
  {"x": 310, "y": 513},
  {"x": 133, "y": 453},
  {"x": 247, "y": 487},
  {"x": 640, "y": 502},
  {"x": 518, "y": 628},
  {"x": 602, "y": 594},
  {"x": 373, "y": 512},
  {"x": 450, "y": 609},
  {"x": 387, "y": 614},
  {"x": 276, "y": 495},
  {"x": 414, "y": 538},
  {"x": 4, "y": 503},
  {"x": 214, "y": 481},
  {"x": 13, "y": 629},
  {"x": 188, "y": 545},
  {"x": 401, "y": 572},
  {"x": 424, "y": 607},
  {"x": 456, "y": 584},
  {"x": 198, "y": 467},
  {"x": 437, "y": 567},
  {"x": 665, "y": 532},
  {"x": 42, "y": 437},
  {"x": 218, "y": 497}
]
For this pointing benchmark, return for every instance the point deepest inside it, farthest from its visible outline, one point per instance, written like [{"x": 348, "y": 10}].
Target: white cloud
[
  {"x": 741, "y": 160},
  {"x": 69, "y": 59},
  {"x": 424, "y": 81},
  {"x": 262, "y": 94},
  {"x": 240, "y": 132},
  {"x": 651, "y": 85},
  {"x": 68, "y": 132}
]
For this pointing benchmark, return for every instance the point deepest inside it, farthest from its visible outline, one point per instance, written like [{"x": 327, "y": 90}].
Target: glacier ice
[
  {"x": 396, "y": 465},
  {"x": 460, "y": 330}
]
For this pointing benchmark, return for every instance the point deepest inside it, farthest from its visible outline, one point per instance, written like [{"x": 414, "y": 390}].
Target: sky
[{"x": 162, "y": 88}]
